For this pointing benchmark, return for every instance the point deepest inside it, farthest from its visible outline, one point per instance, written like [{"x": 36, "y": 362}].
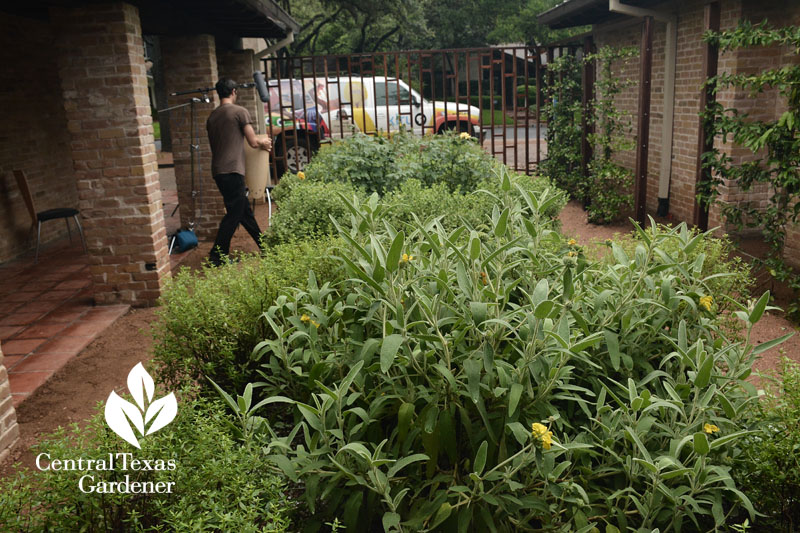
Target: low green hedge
[
  {"x": 305, "y": 209},
  {"x": 219, "y": 485},
  {"x": 308, "y": 208},
  {"x": 426, "y": 177},
  {"x": 208, "y": 324}
]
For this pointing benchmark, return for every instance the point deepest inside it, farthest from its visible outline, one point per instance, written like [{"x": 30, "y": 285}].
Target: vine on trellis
[
  {"x": 563, "y": 114},
  {"x": 775, "y": 145},
  {"x": 607, "y": 192},
  {"x": 610, "y": 184}
]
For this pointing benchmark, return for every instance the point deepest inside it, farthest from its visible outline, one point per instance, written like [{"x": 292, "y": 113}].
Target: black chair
[{"x": 50, "y": 214}]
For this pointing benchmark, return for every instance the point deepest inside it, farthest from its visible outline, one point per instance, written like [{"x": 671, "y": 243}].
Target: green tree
[{"x": 354, "y": 26}]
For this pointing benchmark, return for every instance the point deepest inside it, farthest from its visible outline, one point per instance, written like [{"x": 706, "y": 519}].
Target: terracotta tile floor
[{"x": 47, "y": 313}]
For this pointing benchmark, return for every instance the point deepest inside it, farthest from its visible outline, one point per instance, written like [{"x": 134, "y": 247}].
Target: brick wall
[
  {"x": 238, "y": 65},
  {"x": 104, "y": 84},
  {"x": 688, "y": 81},
  {"x": 191, "y": 63},
  {"x": 9, "y": 430},
  {"x": 630, "y": 35},
  {"x": 34, "y": 135}
]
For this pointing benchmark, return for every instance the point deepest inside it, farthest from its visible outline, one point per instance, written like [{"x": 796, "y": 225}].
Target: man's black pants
[{"x": 237, "y": 211}]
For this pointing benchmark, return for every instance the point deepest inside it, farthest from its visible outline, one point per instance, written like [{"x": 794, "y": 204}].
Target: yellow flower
[
  {"x": 572, "y": 253},
  {"x": 301, "y": 175},
  {"x": 609, "y": 242},
  {"x": 315, "y": 324},
  {"x": 465, "y": 135},
  {"x": 542, "y": 434},
  {"x": 706, "y": 302},
  {"x": 304, "y": 318},
  {"x": 410, "y": 257},
  {"x": 710, "y": 428},
  {"x": 572, "y": 242}
]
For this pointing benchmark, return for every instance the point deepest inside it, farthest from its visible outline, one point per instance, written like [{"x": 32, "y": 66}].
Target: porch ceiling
[
  {"x": 239, "y": 18},
  {"x": 573, "y": 13}
]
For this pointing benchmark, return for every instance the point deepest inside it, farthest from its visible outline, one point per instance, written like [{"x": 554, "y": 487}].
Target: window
[{"x": 391, "y": 87}]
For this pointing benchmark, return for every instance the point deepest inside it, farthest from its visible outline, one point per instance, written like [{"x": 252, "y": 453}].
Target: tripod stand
[{"x": 194, "y": 147}]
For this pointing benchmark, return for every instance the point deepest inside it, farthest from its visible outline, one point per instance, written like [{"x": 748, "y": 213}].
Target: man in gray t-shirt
[{"x": 228, "y": 127}]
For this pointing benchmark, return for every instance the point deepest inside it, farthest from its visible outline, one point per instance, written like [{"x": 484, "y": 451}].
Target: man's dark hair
[{"x": 225, "y": 87}]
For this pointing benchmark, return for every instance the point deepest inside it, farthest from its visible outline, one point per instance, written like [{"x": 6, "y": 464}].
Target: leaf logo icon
[{"x": 123, "y": 416}]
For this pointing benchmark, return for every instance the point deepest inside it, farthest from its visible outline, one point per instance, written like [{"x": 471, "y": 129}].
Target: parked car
[{"x": 318, "y": 109}]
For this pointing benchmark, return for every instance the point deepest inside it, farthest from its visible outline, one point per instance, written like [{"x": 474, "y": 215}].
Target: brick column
[
  {"x": 9, "y": 430},
  {"x": 191, "y": 63},
  {"x": 102, "y": 71},
  {"x": 238, "y": 65}
]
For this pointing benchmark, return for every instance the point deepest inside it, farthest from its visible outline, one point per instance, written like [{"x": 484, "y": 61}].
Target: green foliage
[
  {"x": 338, "y": 27},
  {"x": 415, "y": 381},
  {"x": 219, "y": 485},
  {"x": 461, "y": 164},
  {"x": 775, "y": 146},
  {"x": 413, "y": 201},
  {"x": 380, "y": 164},
  {"x": 366, "y": 162},
  {"x": 607, "y": 191},
  {"x": 208, "y": 324},
  {"x": 768, "y": 469},
  {"x": 610, "y": 186},
  {"x": 728, "y": 278},
  {"x": 436, "y": 176},
  {"x": 562, "y": 111},
  {"x": 305, "y": 210},
  {"x": 610, "y": 190}
]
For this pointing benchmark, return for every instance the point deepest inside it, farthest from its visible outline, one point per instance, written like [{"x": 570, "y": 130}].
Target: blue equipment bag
[{"x": 183, "y": 240}]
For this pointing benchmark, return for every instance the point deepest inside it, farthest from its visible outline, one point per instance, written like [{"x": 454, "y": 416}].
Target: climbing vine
[
  {"x": 563, "y": 114},
  {"x": 774, "y": 145},
  {"x": 610, "y": 184},
  {"x": 607, "y": 191}
]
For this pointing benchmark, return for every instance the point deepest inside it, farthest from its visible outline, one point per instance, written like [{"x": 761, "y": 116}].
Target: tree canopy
[{"x": 354, "y": 26}]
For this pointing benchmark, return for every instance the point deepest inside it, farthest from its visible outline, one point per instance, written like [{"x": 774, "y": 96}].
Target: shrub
[
  {"x": 610, "y": 192},
  {"x": 219, "y": 484},
  {"x": 209, "y": 324},
  {"x": 768, "y": 470},
  {"x": 459, "y": 163},
  {"x": 364, "y": 161},
  {"x": 306, "y": 209},
  {"x": 480, "y": 380},
  {"x": 380, "y": 164},
  {"x": 728, "y": 278},
  {"x": 412, "y": 199}
]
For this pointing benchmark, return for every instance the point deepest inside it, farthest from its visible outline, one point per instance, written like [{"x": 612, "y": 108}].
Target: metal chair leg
[
  {"x": 69, "y": 231},
  {"x": 38, "y": 239},
  {"x": 80, "y": 230}
]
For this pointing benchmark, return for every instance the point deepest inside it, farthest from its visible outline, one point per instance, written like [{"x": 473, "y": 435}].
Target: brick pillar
[
  {"x": 238, "y": 65},
  {"x": 191, "y": 63},
  {"x": 102, "y": 71},
  {"x": 9, "y": 430}
]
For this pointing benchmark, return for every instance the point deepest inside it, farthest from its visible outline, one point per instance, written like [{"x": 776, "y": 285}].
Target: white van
[{"x": 331, "y": 107}]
